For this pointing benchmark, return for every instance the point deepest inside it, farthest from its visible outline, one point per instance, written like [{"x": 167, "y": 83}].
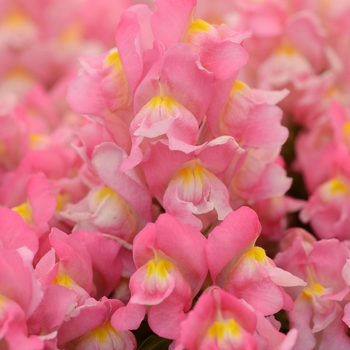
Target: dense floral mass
[{"x": 174, "y": 174}]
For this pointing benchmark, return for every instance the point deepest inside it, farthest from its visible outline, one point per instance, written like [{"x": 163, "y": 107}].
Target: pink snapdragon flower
[
  {"x": 43, "y": 145},
  {"x": 40, "y": 205},
  {"x": 327, "y": 143},
  {"x": 14, "y": 233},
  {"x": 216, "y": 45},
  {"x": 14, "y": 329},
  {"x": 99, "y": 78},
  {"x": 114, "y": 192},
  {"x": 46, "y": 320},
  {"x": 328, "y": 207},
  {"x": 106, "y": 260},
  {"x": 281, "y": 57},
  {"x": 266, "y": 18},
  {"x": 168, "y": 70},
  {"x": 77, "y": 267},
  {"x": 297, "y": 60},
  {"x": 256, "y": 175},
  {"x": 268, "y": 336},
  {"x": 272, "y": 213},
  {"x": 169, "y": 274},
  {"x": 218, "y": 321},
  {"x": 316, "y": 146},
  {"x": 189, "y": 186},
  {"x": 14, "y": 134},
  {"x": 162, "y": 117},
  {"x": 313, "y": 105},
  {"x": 244, "y": 270},
  {"x": 251, "y": 117},
  {"x": 58, "y": 163},
  {"x": 17, "y": 280},
  {"x": 20, "y": 295},
  {"x": 89, "y": 327},
  {"x": 68, "y": 263},
  {"x": 43, "y": 48},
  {"x": 333, "y": 18},
  {"x": 123, "y": 68},
  {"x": 318, "y": 305}
]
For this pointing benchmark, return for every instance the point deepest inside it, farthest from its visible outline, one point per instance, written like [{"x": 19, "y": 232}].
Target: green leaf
[{"x": 155, "y": 343}]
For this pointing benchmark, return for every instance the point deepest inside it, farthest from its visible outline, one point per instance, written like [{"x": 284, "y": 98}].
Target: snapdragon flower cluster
[
  {"x": 302, "y": 46},
  {"x": 150, "y": 198}
]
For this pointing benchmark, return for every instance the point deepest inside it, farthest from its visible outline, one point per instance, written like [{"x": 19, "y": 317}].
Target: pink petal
[
  {"x": 236, "y": 233},
  {"x": 14, "y": 233},
  {"x": 170, "y": 20}
]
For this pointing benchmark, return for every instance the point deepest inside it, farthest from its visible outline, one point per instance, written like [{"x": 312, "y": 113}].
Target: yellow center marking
[
  {"x": 219, "y": 329},
  {"x": 199, "y": 26},
  {"x": 160, "y": 268},
  {"x": 256, "y": 253},
  {"x": 25, "y": 211},
  {"x": 336, "y": 186},
  {"x": 239, "y": 86}
]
